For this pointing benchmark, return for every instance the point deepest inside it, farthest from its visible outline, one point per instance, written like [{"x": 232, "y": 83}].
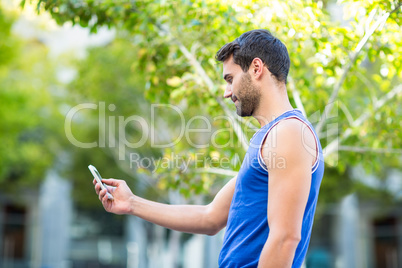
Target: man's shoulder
[{"x": 290, "y": 138}]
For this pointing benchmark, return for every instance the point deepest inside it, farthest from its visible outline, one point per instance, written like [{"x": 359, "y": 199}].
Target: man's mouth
[{"x": 233, "y": 97}]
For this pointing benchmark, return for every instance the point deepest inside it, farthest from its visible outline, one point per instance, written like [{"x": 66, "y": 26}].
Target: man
[{"x": 268, "y": 208}]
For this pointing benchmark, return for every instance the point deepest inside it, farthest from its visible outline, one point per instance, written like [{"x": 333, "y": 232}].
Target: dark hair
[{"x": 258, "y": 44}]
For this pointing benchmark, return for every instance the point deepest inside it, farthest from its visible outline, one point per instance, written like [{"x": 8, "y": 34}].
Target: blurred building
[
  {"x": 43, "y": 229},
  {"x": 360, "y": 233}
]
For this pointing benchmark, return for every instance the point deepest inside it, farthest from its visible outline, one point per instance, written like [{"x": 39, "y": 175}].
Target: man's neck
[{"x": 272, "y": 107}]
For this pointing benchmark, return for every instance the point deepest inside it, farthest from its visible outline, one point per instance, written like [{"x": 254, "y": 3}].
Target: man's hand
[{"x": 122, "y": 196}]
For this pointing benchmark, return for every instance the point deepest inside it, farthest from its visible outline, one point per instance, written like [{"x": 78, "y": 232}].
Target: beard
[{"x": 248, "y": 96}]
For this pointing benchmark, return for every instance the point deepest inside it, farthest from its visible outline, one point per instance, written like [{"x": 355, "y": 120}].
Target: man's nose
[{"x": 228, "y": 92}]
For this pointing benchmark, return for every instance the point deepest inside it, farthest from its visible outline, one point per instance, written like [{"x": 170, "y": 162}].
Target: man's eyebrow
[{"x": 226, "y": 76}]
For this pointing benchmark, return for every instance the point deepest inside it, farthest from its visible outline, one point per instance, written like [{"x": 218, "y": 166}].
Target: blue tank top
[{"x": 247, "y": 227}]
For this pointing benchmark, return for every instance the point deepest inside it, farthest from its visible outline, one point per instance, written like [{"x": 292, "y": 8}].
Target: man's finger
[
  {"x": 102, "y": 194},
  {"x": 110, "y": 189},
  {"x": 111, "y": 182},
  {"x": 105, "y": 201},
  {"x": 97, "y": 188}
]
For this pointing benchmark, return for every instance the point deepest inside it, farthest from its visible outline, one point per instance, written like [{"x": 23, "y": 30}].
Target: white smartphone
[{"x": 98, "y": 178}]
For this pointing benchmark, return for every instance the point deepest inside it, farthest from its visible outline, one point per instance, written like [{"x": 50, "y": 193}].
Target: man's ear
[{"x": 256, "y": 68}]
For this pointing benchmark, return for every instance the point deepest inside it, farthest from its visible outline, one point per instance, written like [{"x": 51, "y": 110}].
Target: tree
[
  {"x": 347, "y": 73},
  {"x": 31, "y": 127}
]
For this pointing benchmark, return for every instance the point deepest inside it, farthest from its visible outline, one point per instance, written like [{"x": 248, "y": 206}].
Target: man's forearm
[
  {"x": 183, "y": 218},
  {"x": 278, "y": 252}
]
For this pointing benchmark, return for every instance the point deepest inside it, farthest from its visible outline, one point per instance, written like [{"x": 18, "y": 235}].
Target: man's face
[{"x": 240, "y": 88}]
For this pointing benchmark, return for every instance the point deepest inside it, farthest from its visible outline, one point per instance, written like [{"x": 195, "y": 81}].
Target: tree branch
[
  {"x": 368, "y": 149},
  {"x": 347, "y": 68},
  {"x": 368, "y": 84},
  {"x": 296, "y": 95},
  {"x": 345, "y": 110},
  {"x": 333, "y": 146},
  {"x": 218, "y": 171}
]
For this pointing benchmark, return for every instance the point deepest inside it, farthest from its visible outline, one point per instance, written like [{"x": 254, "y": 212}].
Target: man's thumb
[{"x": 111, "y": 182}]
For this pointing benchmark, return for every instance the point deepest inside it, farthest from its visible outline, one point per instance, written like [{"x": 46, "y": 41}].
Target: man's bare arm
[
  {"x": 288, "y": 191},
  {"x": 208, "y": 219}
]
